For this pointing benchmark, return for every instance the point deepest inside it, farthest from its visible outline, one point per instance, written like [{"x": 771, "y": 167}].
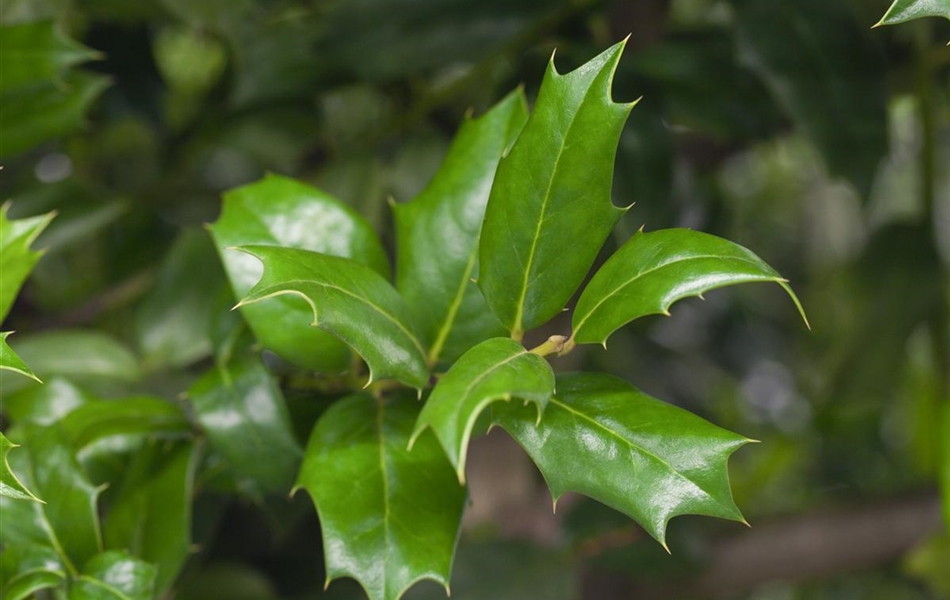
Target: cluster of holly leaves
[{"x": 495, "y": 246}]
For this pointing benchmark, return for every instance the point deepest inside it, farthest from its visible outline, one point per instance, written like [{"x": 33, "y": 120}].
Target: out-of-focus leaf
[
  {"x": 906, "y": 10},
  {"x": 68, "y": 520},
  {"x": 172, "y": 321},
  {"x": 16, "y": 258},
  {"x": 35, "y": 52},
  {"x": 605, "y": 439},
  {"x": 46, "y": 111},
  {"x": 10, "y": 361},
  {"x": 438, "y": 234},
  {"x": 826, "y": 73},
  {"x": 151, "y": 517},
  {"x": 279, "y": 211},
  {"x": 553, "y": 184},
  {"x": 44, "y": 404},
  {"x": 496, "y": 369},
  {"x": 114, "y": 575},
  {"x": 25, "y": 585},
  {"x": 929, "y": 562},
  {"x": 190, "y": 61},
  {"x": 242, "y": 410},
  {"x": 351, "y": 301},
  {"x": 396, "y": 520},
  {"x": 653, "y": 270},
  {"x": 129, "y": 416},
  {"x": 944, "y": 475},
  {"x": 230, "y": 581},
  {"x": 9, "y": 484},
  {"x": 24, "y": 559}
]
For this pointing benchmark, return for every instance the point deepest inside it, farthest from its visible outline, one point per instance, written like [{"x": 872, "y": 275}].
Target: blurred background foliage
[{"x": 790, "y": 127}]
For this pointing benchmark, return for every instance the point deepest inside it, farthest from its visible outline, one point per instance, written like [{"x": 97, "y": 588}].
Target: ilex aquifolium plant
[{"x": 494, "y": 247}]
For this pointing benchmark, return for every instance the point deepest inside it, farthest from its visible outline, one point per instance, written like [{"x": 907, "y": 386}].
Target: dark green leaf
[
  {"x": 46, "y": 111},
  {"x": 551, "y": 193},
  {"x": 438, "y": 234},
  {"x": 826, "y": 73},
  {"x": 103, "y": 418},
  {"x": 34, "y": 52},
  {"x": 114, "y": 575},
  {"x": 351, "y": 301},
  {"x": 26, "y": 584},
  {"x": 151, "y": 517},
  {"x": 650, "y": 460},
  {"x": 242, "y": 410},
  {"x": 10, "y": 361},
  {"x": 44, "y": 404},
  {"x": 9, "y": 484},
  {"x": 16, "y": 258},
  {"x": 23, "y": 559},
  {"x": 278, "y": 211},
  {"x": 653, "y": 270},
  {"x": 496, "y": 369},
  {"x": 389, "y": 517},
  {"x": 906, "y": 10}
]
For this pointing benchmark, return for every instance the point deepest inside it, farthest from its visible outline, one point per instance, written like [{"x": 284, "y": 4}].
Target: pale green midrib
[
  {"x": 385, "y": 480},
  {"x": 655, "y": 268},
  {"x": 481, "y": 377},
  {"x": 640, "y": 449},
  {"x": 436, "y": 349},
  {"x": 519, "y": 311},
  {"x": 44, "y": 522}
]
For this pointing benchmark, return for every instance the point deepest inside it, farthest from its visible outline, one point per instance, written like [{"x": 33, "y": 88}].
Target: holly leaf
[
  {"x": 653, "y": 270},
  {"x": 11, "y": 362},
  {"x": 438, "y": 234},
  {"x": 351, "y": 301},
  {"x": 496, "y": 369},
  {"x": 241, "y": 409},
  {"x": 37, "y": 51},
  {"x": 902, "y": 11},
  {"x": 279, "y": 211},
  {"x": 647, "y": 459},
  {"x": 99, "y": 419},
  {"x": 16, "y": 258},
  {"x": 24, "y": 585},
  {"x": 552, "y": 191},
  {"x": 389, "y": 517},
  {"x": 9, "y": 484},
  {"x": 114, "y": 575}
]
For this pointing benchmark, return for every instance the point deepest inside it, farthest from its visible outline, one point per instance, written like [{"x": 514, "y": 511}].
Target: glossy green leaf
[
  {"x": 902, "y": 11},
  {"x": 653, "y": 270},
  {"x": 42, "y": 112},
  {"x": 550, "y": 210},
  {"x": 151, "y": 516},
  {"x": 16, "y": 258},
  {"x": 24, "y": 559},
  {"x": 389, "y": 517},
  {"x": 44, "y": 404},
  {"x": 38, "y": 51},
  {"x": 650, "y": 460},
  {"x": 241, "y": 409},
  {"x": 9, "y": 484},
  {"x": 825, "y": 73},
  {"x": 25, "y": 585},
  {"x": 496, "y": 369},
  {"x": 114, "y": 575},
  {"x": 438, "y": 234},
  {"x": 351, "y": 301},
  {"x": 99, "y": 419},
  {"x": 279, "y": 211},
  {"x": 10, "y": 361},
  {"x": 68, "y": 520}
]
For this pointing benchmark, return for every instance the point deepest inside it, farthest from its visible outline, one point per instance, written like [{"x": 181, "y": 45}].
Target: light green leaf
[
  {"x": 114, "y": 575},
  {"x": 98, "y": 419},
  {"x": 605, "y": 439},
  {"x": 550, "y": 211},
  {"x": 25, "y": 565},
  {"x": 241, "y": 409},
  {"x": 38, "y": 51},
  {"x": 10, "y": 361},
  {"x": 389, "y": 517},
  {"x": 46, "y": 111},
  {"x": 438, "y": 235},
  {"x": 44, "y": 404},
  {"x": 653, "y": 270},
  {"x": 825, "y": 72},
  {"x": 906, "y": 10},
  {"x": 496, "y": 369},
  {"x": 278, "y": 211},
  {"x": 27, "y": 584},
  {"x": 351, "y": 301},
  {"x": 151, "y": 516},
  {"x": 9, "y": 484},
  {"x": 16, "y": 258}
]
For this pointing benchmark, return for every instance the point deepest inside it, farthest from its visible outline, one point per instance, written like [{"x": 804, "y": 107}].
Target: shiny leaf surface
[
  {"x": 351, "y": 301},
  {"x": 25, "y": 585},
  {"x": 653, "y": 270},
  {"x": 906, "y": 10},
  {"x": 278, "y": 211},
  {"x": 389, "y": 517},
  {"x": 16, "y": 258},
  {"x": 241, "y": 409},
  {"x": 38, "y": 51},
  {"x": 9, "y": 360},
  {"x": 605, "y": 439},
  {"x": 99, "y": 419},
  {"x": 552, "y": 194},
  {"x": 9, "y": 484},
  {"x": 497, "y": 369},
  {"x": 44, "y": 404},
  {"x": 114, "y": 575},
  {"x": 438, "y": 234}
]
